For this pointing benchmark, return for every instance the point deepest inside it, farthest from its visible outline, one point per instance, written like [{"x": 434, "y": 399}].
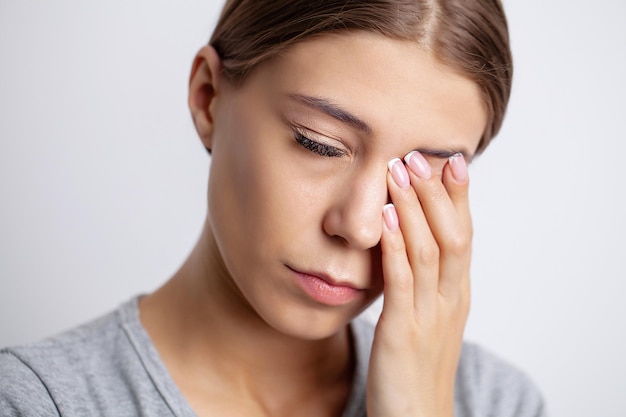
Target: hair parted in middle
[{"x": 469, "y": 36}]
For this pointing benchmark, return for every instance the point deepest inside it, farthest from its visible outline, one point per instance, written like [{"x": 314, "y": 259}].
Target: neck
[{"x": 206, "y": 332}]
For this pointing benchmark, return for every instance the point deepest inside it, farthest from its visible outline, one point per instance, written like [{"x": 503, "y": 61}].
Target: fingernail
[
  {"x": 399, "y": 173},
  {"x": 418, "y": 164},
  {"x": 459, "y": 167},
  {"x": 391, "y": 217}
]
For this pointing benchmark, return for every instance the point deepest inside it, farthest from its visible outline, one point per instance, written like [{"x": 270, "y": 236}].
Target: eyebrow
[
  {"x": 334, "y": 111},
  {"x": 326, "y": 106}
]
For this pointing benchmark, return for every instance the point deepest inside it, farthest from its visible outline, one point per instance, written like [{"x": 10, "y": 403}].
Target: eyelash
[
  {"x": 319, "y": 148},
  {"x": 333, "y": 152}
]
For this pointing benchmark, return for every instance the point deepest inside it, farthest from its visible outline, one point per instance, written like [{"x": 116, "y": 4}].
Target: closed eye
[
  {"x": 442, "y": 153},
  {"x": 321, "y": 149}
]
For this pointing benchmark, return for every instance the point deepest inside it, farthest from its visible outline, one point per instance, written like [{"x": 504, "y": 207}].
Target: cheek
[
  {"x": 261, "y": 199},
  {"x": 236, "y": 195}
]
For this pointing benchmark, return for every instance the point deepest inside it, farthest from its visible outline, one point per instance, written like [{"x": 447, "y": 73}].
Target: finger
[
  {"x": 397, "y": 274},
  {"x": 456, "y": 181},
  {"x": 435, "y": 200},
  {"x": 421, "y": 247},
  {"x": 451, "y": 229}
]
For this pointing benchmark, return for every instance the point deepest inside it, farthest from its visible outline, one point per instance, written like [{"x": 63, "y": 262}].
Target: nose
[{"x": 355, "y": 212}]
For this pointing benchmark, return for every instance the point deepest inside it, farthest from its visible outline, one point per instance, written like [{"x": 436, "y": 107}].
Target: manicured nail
[
  {"x": 391, "y": 217},
  {"x": 399, "y": 173},
  {"x": 418, "y": 164},
  {"x": 459, "y": 167}
]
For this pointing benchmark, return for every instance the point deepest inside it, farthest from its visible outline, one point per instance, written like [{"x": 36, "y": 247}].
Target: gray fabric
[{"x": 109, "y": 367}]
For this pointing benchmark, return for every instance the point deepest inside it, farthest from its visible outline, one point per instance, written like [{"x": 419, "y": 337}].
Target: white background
[{"x": 103, "y": 180}]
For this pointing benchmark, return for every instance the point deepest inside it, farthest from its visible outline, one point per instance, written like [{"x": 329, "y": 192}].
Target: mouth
[{"x": 324, "y": 289}]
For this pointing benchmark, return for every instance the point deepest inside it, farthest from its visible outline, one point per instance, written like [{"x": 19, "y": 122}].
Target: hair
[{"x": 469, "y": 36}]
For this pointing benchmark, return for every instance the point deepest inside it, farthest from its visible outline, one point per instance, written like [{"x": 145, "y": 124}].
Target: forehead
[{"x": 397, "y": 87}]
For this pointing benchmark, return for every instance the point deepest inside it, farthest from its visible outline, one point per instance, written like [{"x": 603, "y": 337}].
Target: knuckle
[
  {"x": 428, "y": 254},
  {"x": 458, "y": 244}
]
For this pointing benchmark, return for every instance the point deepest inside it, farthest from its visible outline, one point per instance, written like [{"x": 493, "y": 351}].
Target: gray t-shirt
[{"x": 110, "y": 367}]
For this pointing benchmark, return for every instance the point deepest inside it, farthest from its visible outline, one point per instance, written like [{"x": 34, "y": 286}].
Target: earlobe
[{"x": 203, "y": 89}]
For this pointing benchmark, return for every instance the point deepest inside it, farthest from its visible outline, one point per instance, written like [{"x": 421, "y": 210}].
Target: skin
[{"x": 234, "y": 328}]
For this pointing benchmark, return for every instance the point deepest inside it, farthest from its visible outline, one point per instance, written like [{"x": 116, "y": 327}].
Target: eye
[
  {"x": 438, "y": 158},
  {"x": 317, "y": 147}
]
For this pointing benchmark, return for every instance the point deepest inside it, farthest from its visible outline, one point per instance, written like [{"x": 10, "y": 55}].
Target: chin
[
  {"x": 311, "y": 329},
  {"x": 308, "y": 321}
]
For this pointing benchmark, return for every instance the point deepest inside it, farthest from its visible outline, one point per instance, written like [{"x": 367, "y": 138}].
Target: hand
[{"x": 426, "y": 250}]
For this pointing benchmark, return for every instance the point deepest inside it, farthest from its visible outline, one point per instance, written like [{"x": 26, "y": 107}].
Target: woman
[{"x": 339, "y": 133}]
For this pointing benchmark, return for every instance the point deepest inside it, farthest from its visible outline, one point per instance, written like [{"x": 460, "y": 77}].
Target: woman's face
[{"x": 299, "y": 165}]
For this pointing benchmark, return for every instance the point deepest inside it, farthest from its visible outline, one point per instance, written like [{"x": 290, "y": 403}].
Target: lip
[{"x": 324, "y": 289}]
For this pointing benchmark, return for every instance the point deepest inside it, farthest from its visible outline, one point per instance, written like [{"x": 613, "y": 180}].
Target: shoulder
[
  {"x": 70, "y": 373},
  {"x": 22, "y": 393},
  {"x": 486, "y": 384},
  {"x": 73, "y": 352}
]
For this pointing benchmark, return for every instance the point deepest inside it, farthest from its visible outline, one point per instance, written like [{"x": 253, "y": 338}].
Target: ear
[{"x": 203, "y": 89}]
